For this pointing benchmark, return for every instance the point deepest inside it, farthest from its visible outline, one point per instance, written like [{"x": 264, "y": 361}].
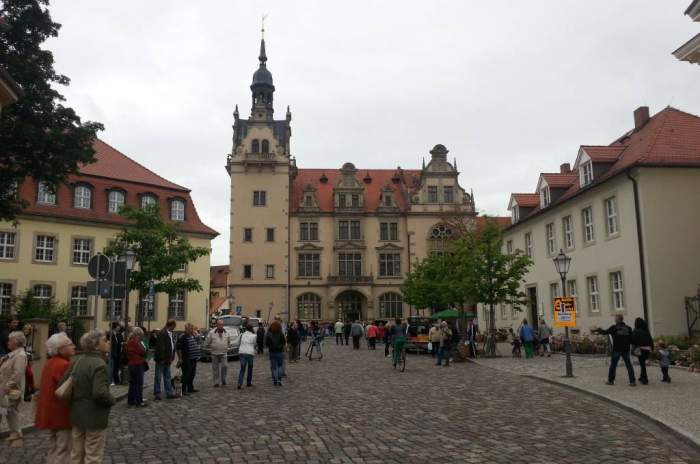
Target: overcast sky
[{"x": 512, "y": 88}]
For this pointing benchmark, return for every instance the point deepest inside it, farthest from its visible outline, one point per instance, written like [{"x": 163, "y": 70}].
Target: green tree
[
  {"x": 494, "y": 276},
  {"x": 39, "y": 136},
  {"x": 160, "y": 248},
  {"x": 427, "y": 285}
]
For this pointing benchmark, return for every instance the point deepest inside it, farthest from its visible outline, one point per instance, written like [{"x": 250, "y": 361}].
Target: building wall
[
  {"x": 671, "y": 221},
  {"x": 599, "y": 258},
  {"x": 22, "y": 272}
]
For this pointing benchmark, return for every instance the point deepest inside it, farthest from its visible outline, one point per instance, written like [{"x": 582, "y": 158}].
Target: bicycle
[
  {"x": 399, "y": 360},
  {"x": 315, "y": 343}
]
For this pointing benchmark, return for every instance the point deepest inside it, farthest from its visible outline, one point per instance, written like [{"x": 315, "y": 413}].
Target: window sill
[
  {"x": 389, "y": 277},
  {"x": 309, "y": 278},
  {"x": 588, "y": 244},
  {"x": 44, "y": 262},
  {"x": 612, "y": 236}
]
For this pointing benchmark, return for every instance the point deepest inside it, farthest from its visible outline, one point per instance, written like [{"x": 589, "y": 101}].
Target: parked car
[{"x": 232, "y": 326}]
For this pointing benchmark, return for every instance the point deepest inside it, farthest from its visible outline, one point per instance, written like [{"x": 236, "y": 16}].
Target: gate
[{"x": 692, "y": 311}]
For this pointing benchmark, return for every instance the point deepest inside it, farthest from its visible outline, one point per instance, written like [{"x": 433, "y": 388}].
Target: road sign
[
  {"x": 565, "y": 312},
  {"x": 107, "y": 289},
  {"x": 151, "y": 289},
  {"x": 239, "y": 310},
  {"x": 117, "y": 273},
  {"x": 99, "y": 266}
]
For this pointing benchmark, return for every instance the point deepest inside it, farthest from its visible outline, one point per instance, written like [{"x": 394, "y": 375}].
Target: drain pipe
[{"x": 640, "y": 244}]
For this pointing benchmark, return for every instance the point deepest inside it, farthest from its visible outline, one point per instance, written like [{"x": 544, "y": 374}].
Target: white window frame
[
  {"x": 177, "y": 210},
  {"x": 571, "y": 288},
  {"x": 44, "y": 195},
  {"x": 260, "y": 198},
  {"x": 115, "y": 200},
  {"x": 82, "y": 197},
  {"x": 545, "y": 196},
  {"x": 567, "y": 225},
  {"x": 612, "y": 226},
  {"x": 588, "y": 225},
  {"x": 529, "y": 246},
  {"x": 553, "y": 291},
  {"x": 269, "y": 271},
  {"x": 6, "y": 296},
  {"x": 44, "y": 295},
  {"x": 148, "y": 200},
  {"x": 586, "y": 173},
  {"x": 82, "y": 249},
  {"x": 515, "y": 214},
  {"x": 551, "y": 239},
  {"x": 617, "y": 291},
  {"x": 593, "y": 288},
  {"x": 8, "y": 245},
  {"x": 79, "y": 300},
  {"x": 176, "y": 305},
  {"x": 45, "y": 246}
]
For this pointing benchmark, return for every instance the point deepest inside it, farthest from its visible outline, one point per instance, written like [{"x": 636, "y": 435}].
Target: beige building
[
  {"x": 327, "y": 243},
  {"x": 690, "y": 51},
  {"x": 59, "y": 231},
  {"x": 627, "y": 215}
]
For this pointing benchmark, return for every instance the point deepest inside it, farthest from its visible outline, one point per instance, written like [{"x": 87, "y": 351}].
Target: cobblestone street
[{"x": 352, "y": 407}]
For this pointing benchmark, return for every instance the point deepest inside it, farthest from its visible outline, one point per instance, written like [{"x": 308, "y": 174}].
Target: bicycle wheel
[
  {"x": 310, "y": 351},
  {"x": 402, "y": 360},
  {"x": 320, "y": 353}
]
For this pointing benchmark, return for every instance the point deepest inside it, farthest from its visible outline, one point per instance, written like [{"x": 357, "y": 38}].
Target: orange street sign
[{"x": 565, "y": 312}]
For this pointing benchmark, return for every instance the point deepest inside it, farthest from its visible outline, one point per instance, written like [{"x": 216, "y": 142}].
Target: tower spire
[{"x": 263, "y": 56}]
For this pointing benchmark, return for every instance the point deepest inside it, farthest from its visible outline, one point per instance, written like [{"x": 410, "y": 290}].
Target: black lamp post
[
  {"x": 130, "y": 262},
  {"x": 562, "y": 263}
]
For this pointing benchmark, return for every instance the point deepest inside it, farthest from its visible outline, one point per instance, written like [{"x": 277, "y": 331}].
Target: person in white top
[
  {"x": 339, "y": 332},
  {"x": 246, "y": 352},
  {"x": 218, "y": 341}
]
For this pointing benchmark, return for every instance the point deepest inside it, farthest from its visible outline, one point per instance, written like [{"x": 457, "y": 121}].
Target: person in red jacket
[
  {"x": 51, "y": 413},
  {"x": 136, "y": 360},
  {"x": 372, "y": 332}
]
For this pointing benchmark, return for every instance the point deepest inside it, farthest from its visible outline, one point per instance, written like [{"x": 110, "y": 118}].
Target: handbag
[
  {"x": 636, "y": 351},
  {"x": 64, "y": 392},
  {"x": 430, "y": 346}
]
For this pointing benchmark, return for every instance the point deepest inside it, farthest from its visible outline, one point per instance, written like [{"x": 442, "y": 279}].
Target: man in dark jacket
[
  {"x": 163, "y": 356},
  {"x": 621, "y": 334},
  {"x": 12, "y": 326},
  {"x": 116, "y": 343}
]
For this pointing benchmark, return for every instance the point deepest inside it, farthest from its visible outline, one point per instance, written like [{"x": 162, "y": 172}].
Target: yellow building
[
  {"x": 327, "y": 243},
  {"x": 58, "y": 232}
]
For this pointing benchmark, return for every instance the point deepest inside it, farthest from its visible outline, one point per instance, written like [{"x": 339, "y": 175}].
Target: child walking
[{"x": 664, "y": 360}]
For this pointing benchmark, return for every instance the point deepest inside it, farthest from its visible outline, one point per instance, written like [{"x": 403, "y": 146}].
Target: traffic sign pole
[{"x": 567, "y": 340}]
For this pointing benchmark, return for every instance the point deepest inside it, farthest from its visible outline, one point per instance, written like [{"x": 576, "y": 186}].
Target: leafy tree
[
  {"x": 26, "y": 307},
  {"x": 161, "y": 250},
  {"x": 39, "y": 136},
  {"x": 495, "y": 277},
  {"x": 426, "y": 286}
]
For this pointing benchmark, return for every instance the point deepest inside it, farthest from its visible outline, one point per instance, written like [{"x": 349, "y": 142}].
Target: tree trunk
[{"x": 490, "y": 349}]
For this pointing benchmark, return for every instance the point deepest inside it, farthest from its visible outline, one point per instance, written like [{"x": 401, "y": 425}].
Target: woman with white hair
[
  {"x": 91, "y": 401},
  {"x": 12, "y": 369},
  {"x": 51, "y": 413}
]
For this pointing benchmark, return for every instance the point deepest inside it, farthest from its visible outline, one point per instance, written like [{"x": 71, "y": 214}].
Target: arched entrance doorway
[{"x": 350, "y": 305}]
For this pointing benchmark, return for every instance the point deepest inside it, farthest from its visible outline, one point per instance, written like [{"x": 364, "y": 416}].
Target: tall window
[
  {"x": 388, "y": 231},
  {"x": 45, "y": 195},
  {"x": 588, "y": 231},
  {"x": 308, "y": 231},
  {"x": 309, "y": 265},
  {"x": 8, "y": 243},
  {"x": 553, "y": 291},
  {"x": 113, "y": 310},
  {"x": 5, "y": 297},
  {"x": 528, "y": 245},
  {"x": 355, "y": 231},
  {"x": 247, "y": 234},
  {"x": 432, "y": 194},
  {"x": 309, "y": 307},
  {"x": 545, "y": 196},
  {"x": 148, "y": 201},
  {"x": 247, "y": 271},
  {"x": 571, "y": 288},
  {"x": 448, "y": 194},
  {"x": 551, "y": 241},
  {"x": 308, "y": 200},
  {"x": 386, "y": 199},
  {"x": 611, "y": 224},
  {"x": 355, "y": 199},
  {"x": 265, "y": 146},
  {"x": 342, "y": 203},
  {"x": 81, "y": 250},
  {"x": 82, "y": 197},
  {"x": 389, "y": 264},
  {"x": 176, "y": 305},
  {"x": 593, "y": 294},
  {"x": 515, "y": 214},
  {"x": 586, "y": 173},
  {"x": 259, "y": 198},
  {"x": 618, "y": 296},
  {"x": 270, "y": 234},
  {"x": 255, "y": 146},
  {"x": 350, "y": 264},
  {"x": 42, "y": 293},
  {"x": 349, "y": 230},
  {"x": 568, "y": 229},
  {"x": 45, "y": 248},
  {"x": 390, "y": 305},
  {"x": 177, "y": 210},
  {"x": 79, "y": 300},
  {"x": 115, "y": 200},
  {"x": 509, "y": 247},
  {"x": 269, "y": 271}
]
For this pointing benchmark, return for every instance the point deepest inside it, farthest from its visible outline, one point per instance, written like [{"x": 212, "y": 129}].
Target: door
[
  {"x": 532, "y": 317},
  {"x": 350, "y": 306}
]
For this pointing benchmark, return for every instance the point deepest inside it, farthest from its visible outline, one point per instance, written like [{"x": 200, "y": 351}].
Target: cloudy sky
[{"x": 512, "y": 88}]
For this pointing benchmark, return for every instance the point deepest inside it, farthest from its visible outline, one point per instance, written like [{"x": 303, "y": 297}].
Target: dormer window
[
  {"x": 586, "y": 173},
  {"x": 387, "y": 199},
  {"x": 545, "y": 197},
  {"x": 308, "y": 200},
  {"x": 82, "y": 197},
  {"x": 148, "y": 201},
  {"x": 342, "y": 203},
  {"x": 45, "y": 195},
  {"x": 515, "y": 212},
  {"x": 355, "y": 201},
  {"x": 255, "y": 146},
  {"x": 177, "y": 210}
]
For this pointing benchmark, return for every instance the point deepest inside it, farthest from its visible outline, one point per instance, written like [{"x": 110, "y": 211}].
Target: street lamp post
[
  {"x": 129, "y": 261},
  {"x": 562, "y": 263}
]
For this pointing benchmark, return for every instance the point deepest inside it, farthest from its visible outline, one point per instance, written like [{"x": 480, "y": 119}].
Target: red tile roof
[
  {"x": 527, "y": 200},
  {"x": 114, "y": 170},
  {"x": 217, "y": 275},
  {"x": 670, "y": 138},
  {"x": 557, "y": 180},
  {"x": 501, "y": 221},
  {"x": 603, "y": 154},
  {"x": 380, "y": 178}
]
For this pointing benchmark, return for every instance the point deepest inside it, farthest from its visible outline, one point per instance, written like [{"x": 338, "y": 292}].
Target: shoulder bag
[{"x": 64, "y": 392}]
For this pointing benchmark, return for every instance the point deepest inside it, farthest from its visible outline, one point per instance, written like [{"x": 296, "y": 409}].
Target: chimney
[
  {"x": 565, "y": 168},
  {"x": 641, "y": 116}
]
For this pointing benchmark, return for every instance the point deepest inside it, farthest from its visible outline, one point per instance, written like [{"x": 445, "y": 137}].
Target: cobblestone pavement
[
  {"x": 675, "y": 404},
  {"x": 352, "y": 407}
]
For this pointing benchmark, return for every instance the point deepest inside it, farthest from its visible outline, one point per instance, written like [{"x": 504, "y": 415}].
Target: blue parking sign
[{"x": 239, "y": 310}]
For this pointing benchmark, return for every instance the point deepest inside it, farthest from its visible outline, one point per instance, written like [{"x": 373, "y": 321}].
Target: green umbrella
[{"x": 446, "y": 314}]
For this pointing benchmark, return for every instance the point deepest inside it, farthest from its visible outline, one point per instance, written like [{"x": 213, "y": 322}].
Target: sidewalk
[{"x": 675, "y": 405}]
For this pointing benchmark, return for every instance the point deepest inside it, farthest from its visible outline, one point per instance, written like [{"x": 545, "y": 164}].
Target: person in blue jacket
[{"x": 527, "y": 336}]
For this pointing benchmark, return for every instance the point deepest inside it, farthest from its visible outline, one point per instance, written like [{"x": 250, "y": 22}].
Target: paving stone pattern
[{"x": 352, "y": 407}]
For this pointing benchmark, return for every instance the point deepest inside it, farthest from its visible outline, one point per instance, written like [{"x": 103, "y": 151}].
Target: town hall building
[{"x": 322, "y": 244}]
